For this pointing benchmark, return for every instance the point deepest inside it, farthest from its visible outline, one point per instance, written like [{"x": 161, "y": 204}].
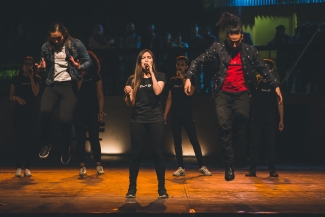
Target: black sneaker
[
  {"x": 131, "y": 192},
  {"x": 273, "y": 173},
  {"x": 251, "y": 172},
  {"x": 162, "y": 193},
  {"x": 45, "y": 151},
  {"x": 65, "y": 157},
  {"x": 229, "y": 173}
]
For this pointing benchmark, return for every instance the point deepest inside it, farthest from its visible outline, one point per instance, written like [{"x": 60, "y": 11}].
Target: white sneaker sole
[
  {"x": 67, "y": 161},
  {"x": 206, "y": 174},
  {"x": 183, "y": 174},
  {"x": 45, "y": 156}
]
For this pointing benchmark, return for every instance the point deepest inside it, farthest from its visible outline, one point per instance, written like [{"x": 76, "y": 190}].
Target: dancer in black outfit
[
  {"x": 142, "y": 92},
  {"x": 234, "y": 82},
  {"x": 23, "y": 89},
  {"x": 180, "y": 106},
  {"x": 89, "y": 113},
  {"x": 266, "y": 105},
  {"x": 63, "y": 57}
]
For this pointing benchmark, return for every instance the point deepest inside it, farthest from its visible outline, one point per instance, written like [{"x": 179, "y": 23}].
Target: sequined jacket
[
  {"x": 73, "y": 47},
  {"x": 220, "y": 53}
]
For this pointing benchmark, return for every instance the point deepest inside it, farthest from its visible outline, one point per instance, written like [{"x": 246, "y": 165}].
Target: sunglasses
[{"x": 59, "y": 38}]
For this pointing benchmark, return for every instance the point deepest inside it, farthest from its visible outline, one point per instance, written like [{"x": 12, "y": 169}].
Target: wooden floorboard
[{"x": 57, "y": 190}]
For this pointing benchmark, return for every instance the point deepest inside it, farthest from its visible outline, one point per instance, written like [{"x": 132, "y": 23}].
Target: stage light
[{"x": 112, "y": 148}]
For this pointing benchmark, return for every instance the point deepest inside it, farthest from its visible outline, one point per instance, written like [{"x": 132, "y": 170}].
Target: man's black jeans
[{"x": 232, "y": 111}]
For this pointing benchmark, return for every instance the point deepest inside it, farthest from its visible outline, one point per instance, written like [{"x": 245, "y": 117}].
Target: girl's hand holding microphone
[
  {"x": 148, "y": 69},
  {"x": 31, "y": 74}
]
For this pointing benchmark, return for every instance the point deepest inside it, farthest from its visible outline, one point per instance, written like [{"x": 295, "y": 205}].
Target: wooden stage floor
[{"x": 57, "y": 190}]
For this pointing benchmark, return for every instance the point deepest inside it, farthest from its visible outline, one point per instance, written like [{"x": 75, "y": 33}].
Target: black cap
[{"x": 280, "y": 27}]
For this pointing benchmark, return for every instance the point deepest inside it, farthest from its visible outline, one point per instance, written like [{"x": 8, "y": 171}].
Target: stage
[{"x": 57, "y": 190}]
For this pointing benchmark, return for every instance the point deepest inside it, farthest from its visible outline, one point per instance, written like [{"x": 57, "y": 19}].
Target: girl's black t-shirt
[
  {"x": 181, "y": 103},
  {"x": 265, "y": 103},
  {"x": 147, "y": 107},
  {"x": 87, "y": 98},
  {"x": 23, "y": 89}
]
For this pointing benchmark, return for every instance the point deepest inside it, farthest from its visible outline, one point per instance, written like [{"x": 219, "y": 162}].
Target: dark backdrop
[{"x": 81, "y": 16}]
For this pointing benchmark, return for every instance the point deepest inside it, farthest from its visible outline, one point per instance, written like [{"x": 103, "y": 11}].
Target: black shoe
[
  {"x": 273, "y": 173},
  {"x": 162, "y": 193},
  {"x": 229, "y": 173},
  {"x": 65, "y": 157},
  {"x": 131, "y": 192},
  {"x": 251, "y": 172},
  {"x": 45, "y": 151}
]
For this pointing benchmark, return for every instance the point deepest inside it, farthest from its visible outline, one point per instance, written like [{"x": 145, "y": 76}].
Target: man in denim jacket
[
  {"x": 234, "y": 82},
  {"x": 63, "y": 57}
]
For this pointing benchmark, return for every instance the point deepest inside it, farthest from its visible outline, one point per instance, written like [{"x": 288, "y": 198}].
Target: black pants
[
  {"x": 189, "y": 126},
  {"x": 87, "y": 120},
  {"x": 63, "y": 94},
  {"x": 138, "y": 132},
  {"x": 232, "y": 111},
  {"x": 25, "y": 121},
  {"x": 260, "y": 129}
]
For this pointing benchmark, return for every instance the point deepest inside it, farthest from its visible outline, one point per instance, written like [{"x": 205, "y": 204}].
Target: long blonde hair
[{"x": 139, "y": 71}]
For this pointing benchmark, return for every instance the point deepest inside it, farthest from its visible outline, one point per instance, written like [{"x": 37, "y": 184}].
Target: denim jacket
[
  {"x": 73, "y": 47},
  {"x": 220, "y": 53}
]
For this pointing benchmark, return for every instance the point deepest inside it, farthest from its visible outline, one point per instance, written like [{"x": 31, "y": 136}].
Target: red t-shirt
[{"x": 234, "y": 81}]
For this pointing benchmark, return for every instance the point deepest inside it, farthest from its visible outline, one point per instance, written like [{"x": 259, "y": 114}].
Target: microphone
[
  {"x": 31, "y": 70},
  {"x": 147, "y": 68}
]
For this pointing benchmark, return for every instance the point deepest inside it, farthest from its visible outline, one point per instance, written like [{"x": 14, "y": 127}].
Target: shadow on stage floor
[{"x": 57, "y": 190}]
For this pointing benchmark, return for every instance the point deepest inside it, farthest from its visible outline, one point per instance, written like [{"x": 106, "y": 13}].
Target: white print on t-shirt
[
  {"x": 146, "y": 85},
  {"x": 266, "y": 90},
  {"x": 61, "y": 66},
  {"x": 178, "y": 85}
]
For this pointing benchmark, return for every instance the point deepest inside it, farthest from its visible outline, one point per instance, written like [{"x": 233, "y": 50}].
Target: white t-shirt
[{"x": 61, "y": 66}]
